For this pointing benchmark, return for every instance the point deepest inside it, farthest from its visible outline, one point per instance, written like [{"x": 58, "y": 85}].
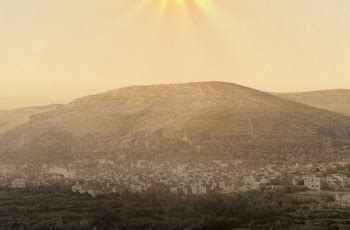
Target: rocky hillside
[
  {"x": 194, "y": 121},
  {"x": 337, "y": 100}
]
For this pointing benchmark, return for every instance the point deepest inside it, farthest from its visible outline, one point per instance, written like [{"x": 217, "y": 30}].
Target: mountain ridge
[
  {"x": 209, "y": 120},
  {"x": 335, "y": 100},
  {"x": 15, "y": 117}
]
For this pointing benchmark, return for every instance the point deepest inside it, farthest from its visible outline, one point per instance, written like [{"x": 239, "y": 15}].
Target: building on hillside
[
  {"x": 297, "y": 182},
  {"x": 312, "y": 183},
  {"x": 226, "y": 187},
  {"x": 77, "y": 188},
  {"x": 66, "y": 172},
  {"x": 199, "y": 188},
  {"x": 343, "y": 200},
  {"x": 136, "y": 188},
  {"x": 336, "y": 181},
  {"x": 18, "y": 183}
]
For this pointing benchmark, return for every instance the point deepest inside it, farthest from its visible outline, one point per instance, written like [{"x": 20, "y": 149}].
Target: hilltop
[{"x": 209, "y": 120}]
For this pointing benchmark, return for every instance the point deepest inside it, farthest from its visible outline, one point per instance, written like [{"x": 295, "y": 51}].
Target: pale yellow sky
[{"x": 55, "y": 51}]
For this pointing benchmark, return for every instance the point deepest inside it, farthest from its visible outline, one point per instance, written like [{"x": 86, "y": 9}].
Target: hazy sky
[{"x": 52, "y": 51}]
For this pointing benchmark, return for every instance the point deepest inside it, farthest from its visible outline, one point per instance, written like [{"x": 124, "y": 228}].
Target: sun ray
[
  {"x": 206, "y": 5},
  {"x": 175, "y": 19}
]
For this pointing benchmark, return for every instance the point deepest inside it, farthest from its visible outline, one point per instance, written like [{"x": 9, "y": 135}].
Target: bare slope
[{"x": 211, "y": 120}]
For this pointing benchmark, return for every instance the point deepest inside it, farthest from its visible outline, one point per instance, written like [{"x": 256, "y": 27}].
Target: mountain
[
  {"x": 336, "y": 100},
  {"x": 192, "y": 122},
  {"x": 16, "y": 117}
]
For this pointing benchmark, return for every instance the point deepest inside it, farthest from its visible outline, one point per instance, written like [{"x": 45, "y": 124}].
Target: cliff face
[{"x": 211, "y": 120}]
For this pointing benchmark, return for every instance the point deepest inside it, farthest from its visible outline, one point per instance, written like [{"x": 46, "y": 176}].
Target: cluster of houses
[
  {"x": 332, "y": 181},
  {"x": 105, "y": 176},
  {"x": 218, "y": 177}
]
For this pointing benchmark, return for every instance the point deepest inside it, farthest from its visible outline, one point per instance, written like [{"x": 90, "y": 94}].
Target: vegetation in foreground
[{"x": 58, "y": 208}]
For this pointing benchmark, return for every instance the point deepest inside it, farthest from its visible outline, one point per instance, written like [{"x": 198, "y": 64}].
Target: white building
[
  {"x": 136, "y": 188},
  {"x": 343, "y": 200},
  {"x": 77, "y": 188},
  {"x": 199, "y": 188},
  {"x": 66, "y": 172},
  {"x": 18, "y": 183},
  {"x": 312, "y": 182}
]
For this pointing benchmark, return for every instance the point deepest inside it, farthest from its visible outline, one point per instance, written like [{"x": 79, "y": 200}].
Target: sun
[
  {"x": 206, "y": 6},
  {"x": 176, "y": 2},
  {"x": 185, "y": 4},
  {"x": 181, "y": 13}
]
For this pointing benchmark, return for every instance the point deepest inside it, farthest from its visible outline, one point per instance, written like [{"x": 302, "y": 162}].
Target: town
[{"x": 105, "y": 176}]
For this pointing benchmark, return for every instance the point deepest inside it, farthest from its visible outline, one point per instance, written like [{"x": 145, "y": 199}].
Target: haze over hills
[
  {"x": 209, "y": 120},
  {"x": 15, "y": 117},
  {"x": 336, "y": 100}
]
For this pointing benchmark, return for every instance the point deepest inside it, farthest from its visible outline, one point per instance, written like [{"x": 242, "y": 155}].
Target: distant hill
[
  {"x": 16, "y": 117},
  {"x": 337, "y": 100},
  {"x": 193, "y": 121}
]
